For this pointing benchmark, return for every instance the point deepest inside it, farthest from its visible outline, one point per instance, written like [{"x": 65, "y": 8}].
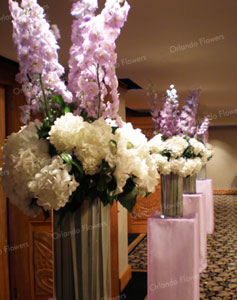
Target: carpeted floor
[{"x": 219, "y": 280}]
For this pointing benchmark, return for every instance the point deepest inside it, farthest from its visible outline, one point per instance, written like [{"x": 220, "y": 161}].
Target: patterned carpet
[{"x": 219, "y": 280}]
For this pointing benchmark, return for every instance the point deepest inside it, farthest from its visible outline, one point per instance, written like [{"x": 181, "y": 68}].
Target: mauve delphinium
[
  {"x": 169, "y": 115},
  {"x": 93, "y": 58},
  {"x": 36, "y": 47},
  {"x": 187, "y": 121},
  {"x": 202, "y": 132},
  {"x": 155, "y": 109}
]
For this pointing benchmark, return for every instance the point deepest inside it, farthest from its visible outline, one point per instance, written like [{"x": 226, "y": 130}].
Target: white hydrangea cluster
[
  {"x": 24, "y": 155},
  {"x": 30, "y": 173},
  {"x": 176, "y": 145},
  {"x": 177, "y": 163},
  {"x": 156, "y": 144},
  {"x": 208, "y": 153},
  {"x": 198, "y": 147},
  {"x": 126, "y": 151},
  {"x": 133, "y": 158},
  {"x": 28, "y": 167},
  {"x": 53, "y": 185},
  {"x": 89, "y": 141},
  {"x": 66, "y": 132}
]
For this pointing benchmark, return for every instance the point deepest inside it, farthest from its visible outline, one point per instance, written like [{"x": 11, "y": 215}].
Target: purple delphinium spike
[
  {"x": 155, "y": 109},
  {"x": 187, "y": 122},
  {"x": 169, "y": 115},
  {"x": 93, "y": 58},
  {"x": 36, "y": 48},
  {"x": 202, "y": 132}
]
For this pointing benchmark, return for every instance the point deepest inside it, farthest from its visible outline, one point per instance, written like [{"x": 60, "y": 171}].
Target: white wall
[
  {"x": 122, "y": 212},
  {"x": 223, "y": 166}
]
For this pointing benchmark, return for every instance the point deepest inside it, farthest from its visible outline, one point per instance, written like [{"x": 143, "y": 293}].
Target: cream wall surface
[
  {"x": 122, "y": 212},
  {"x": 223, "y": 166}
]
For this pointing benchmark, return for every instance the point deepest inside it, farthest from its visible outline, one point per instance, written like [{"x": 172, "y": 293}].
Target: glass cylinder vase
[
  {"x": 189, "y": 184},
  {"x": 82, "y": 253},
  {"x": 171, "y": 196},
  {"x": 202, "y": 175}
]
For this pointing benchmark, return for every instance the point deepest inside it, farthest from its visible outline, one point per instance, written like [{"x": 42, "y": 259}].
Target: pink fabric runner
[
  {"x": 195, "y": 203},
  {"x": 173, "y": 258},
  {"x": 205, "y": 187}
]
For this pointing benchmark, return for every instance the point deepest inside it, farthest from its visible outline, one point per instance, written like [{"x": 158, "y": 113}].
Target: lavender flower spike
[
  {"x": 155, "y": 109},
  {"x": 36, "y": 48},
  {"x": 187, "y": 122},
  {"x": 203, "y": 130},
  {"x": 169, "y": 118},
  {"x": 93, "y": 58}
]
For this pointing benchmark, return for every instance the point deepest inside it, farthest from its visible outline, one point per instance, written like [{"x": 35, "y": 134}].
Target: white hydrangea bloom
[
  {"x": 156, "y": 144},
  {"x": 24, "y": 155},
  {"x": 176, "y": 165},
  {"x": 176, "y": 145},
  {"x": 66, "y": 132},
  {"x": 162, "y": 163},
  {"x": 199, "y": 147},
  {"x": 94, "y": 146},
  {"x": 133, "y": 158},
  {"x": 53, "y": 185},
  {"x": 209, "y": 150},
  {"x": 191, "y": 167}
]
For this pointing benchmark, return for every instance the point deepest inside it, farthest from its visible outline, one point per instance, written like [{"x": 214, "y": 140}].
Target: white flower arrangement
[
  {"x": 179, "y": 155},
  {"x": 35, "y": 180}
]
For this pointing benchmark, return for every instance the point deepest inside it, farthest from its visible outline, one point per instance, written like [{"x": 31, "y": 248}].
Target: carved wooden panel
[
  {"x": 145, "y": 207},
  {"x": 41, "y": 260}
]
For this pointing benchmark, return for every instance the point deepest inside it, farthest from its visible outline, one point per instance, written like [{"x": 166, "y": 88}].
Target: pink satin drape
[
  {"x": 205, "y": 187},
  {"x": 173, "y": 258},
  {"x": 195, "y": 203}
]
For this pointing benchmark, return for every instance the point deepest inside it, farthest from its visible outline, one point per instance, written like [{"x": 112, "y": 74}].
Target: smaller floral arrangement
[
  {"x": 179, "y": 155},
  {"x": 179, "y": 146}
]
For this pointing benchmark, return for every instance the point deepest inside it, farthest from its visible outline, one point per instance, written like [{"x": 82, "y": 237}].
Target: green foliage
[
  {"x": 129, "y": 195},
  {"x": 189, "y": 152},
  {"x": 166, "y": 153},
  {"x": 84, "y": 114}
]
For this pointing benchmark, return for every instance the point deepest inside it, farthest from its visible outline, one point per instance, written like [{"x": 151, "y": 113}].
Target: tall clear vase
[
  {"x": 203, "y": 173},
  {"x": 189, "y": 184},
  {"x": 82, "y": 253},
  {"x": 171, "y": 196}
]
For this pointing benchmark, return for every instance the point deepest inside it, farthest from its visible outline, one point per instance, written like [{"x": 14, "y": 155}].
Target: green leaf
[
  {"x": 101, "y": 185},
  {"x": 66, "y": 110},
  {"x": 128, "y": 200},
  {"x": 78, "y": 166},
  {"x": 58, "y": 99},
  {"x": 130, "y": 145},
  {"x": 113, "y": 146},
  {"x": 67, "y": 158}
]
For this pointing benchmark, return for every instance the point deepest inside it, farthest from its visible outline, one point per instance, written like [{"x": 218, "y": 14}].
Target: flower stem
[
  {"x": 98, "y": 81},
  {"x": 46, "y": 102}
]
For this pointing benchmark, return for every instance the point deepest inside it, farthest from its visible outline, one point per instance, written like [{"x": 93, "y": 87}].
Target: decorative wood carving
[
  {"x": 145, "y": 207},
  {"x": 43, "y": 263}
]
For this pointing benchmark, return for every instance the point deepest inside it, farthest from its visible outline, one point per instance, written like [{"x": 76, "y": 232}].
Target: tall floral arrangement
[
  {"x": 179, "y": 146},
  {"x": 81, "y": 149}
]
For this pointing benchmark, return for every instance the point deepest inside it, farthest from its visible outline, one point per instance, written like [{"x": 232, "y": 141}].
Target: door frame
[{"x": 4, "y": 266}]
